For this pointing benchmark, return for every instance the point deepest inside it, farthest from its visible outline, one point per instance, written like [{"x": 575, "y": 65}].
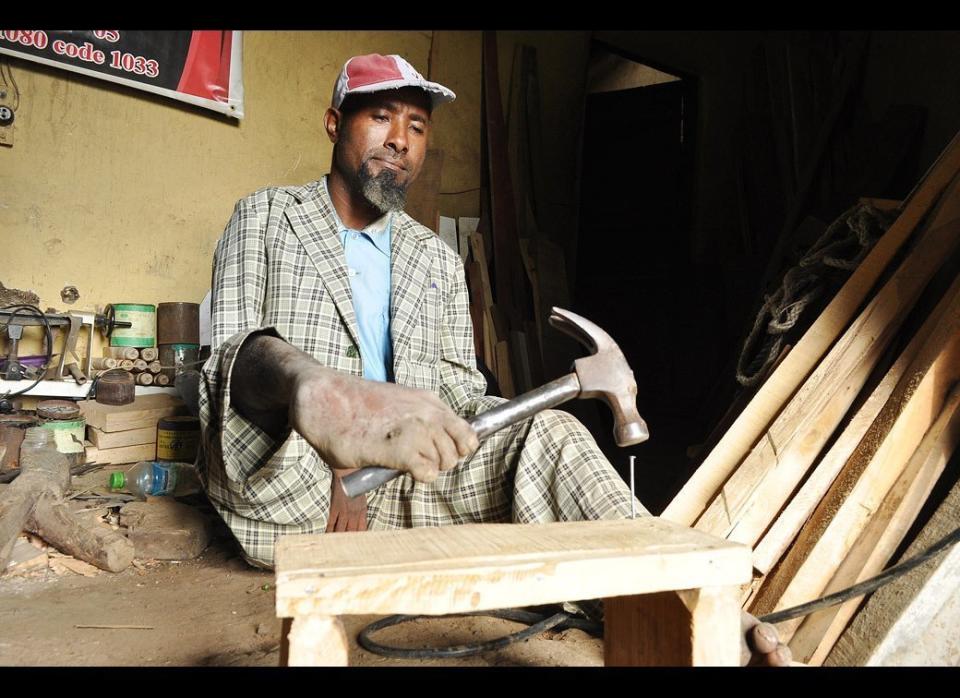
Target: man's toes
[
  {"x": 764, "y": 638},
  {"x": 782, "y": 656}
]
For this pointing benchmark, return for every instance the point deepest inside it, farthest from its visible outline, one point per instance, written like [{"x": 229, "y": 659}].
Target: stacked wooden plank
[
  {"x": 828, "y": 466},
  {"x": 127, "y": 433},
  {"x": 142, "y": 364}
]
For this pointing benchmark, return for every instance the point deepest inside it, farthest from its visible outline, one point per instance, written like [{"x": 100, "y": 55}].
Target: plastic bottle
[{"x": 156, "y": 479}]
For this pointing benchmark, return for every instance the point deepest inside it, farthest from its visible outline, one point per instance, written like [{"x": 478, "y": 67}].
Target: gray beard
[{"x": 382, "y": 191}]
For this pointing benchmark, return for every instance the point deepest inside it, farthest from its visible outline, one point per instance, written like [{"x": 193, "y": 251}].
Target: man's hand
[
  {"x": 351, "y": 422},
  {"x": 354, "y": 423},
  {"x": 760, "y": 644}
]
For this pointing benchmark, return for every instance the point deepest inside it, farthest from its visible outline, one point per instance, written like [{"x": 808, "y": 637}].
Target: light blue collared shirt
[{"x": 368, "y": 266}]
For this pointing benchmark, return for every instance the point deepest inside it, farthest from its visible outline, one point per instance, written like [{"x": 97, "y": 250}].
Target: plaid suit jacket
[{"x": 280, "y": 268}]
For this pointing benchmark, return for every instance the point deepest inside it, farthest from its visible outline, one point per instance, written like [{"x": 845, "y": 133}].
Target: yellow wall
[{"x": 124, "y": 194}]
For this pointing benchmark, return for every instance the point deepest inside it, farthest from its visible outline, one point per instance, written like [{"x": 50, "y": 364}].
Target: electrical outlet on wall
[{"x": 7, "y": 116}]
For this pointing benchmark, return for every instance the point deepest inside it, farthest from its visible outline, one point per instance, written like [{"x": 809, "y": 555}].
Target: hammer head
[{"x": 605, "y": 375}]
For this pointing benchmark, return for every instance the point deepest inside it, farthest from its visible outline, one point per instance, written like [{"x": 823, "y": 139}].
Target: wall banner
[{"x": 199, "y": 67}]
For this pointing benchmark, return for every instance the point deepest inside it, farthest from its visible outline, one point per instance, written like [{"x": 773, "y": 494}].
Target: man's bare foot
[{"x": 760, "y": 644}]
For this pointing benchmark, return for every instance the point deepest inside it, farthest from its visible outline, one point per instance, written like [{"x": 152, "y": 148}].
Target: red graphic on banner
[{"x": 206, "y": 72}]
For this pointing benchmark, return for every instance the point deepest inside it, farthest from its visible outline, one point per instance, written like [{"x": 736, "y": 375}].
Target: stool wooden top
[{"x": 474, "y": 567}]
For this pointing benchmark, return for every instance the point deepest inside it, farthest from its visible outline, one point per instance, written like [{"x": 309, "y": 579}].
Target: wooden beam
[
  {"x": 750, "y": 500},
  {"x": 693, "y": 499},
  {"x": 472, "y": 274},
  {"x": 480, "y": 257},
  {"x": 912, "y": 620},
  {"x": 699, "y": 627},
  {"x": 782, "y": 532},
  {"x": 882, "y": 204},
  {"x": 867, "y": 476},
  {"x": 505, "y": 370},
  {"x": 511, "y": 294},
  {"x": 520, "y": 365},
  {"x": 886, "y": 530},
  {"x": 474, "y": 567},
  {"x": 423, "y": 201}
]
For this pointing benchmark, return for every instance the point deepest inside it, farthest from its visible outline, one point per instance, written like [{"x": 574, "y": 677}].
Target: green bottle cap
[{"x": 117, "y": 480}]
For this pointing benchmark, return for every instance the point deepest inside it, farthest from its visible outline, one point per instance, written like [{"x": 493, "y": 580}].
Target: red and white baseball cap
[{"x": 374, "y": 73}]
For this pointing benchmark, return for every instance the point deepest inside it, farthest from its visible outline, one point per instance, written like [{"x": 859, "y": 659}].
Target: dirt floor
[{"x": 214, "y": 610}]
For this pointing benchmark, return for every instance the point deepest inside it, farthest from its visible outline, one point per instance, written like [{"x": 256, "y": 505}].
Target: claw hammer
[{"x": 603, "y": 374}]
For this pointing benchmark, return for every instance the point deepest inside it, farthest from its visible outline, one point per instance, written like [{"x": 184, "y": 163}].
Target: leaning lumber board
[
  {"x": 504, "y": 370},
  {"x": 423, "y": 201},
  {"x": 867, "y": 476},
  {"x": 480, "y": 257},
  {"x": 489, "y": 343},
  {"x": 511, "y": 293},
  {"x": 762, "y": 484},
  {"x": 750, "y": 500},
  {"x": 906, "y": 621},
  {"x": 778, "y": 538},
  {"x": 887, "y": 528},
  {"x": 471, "y": 567},
  {"x": 700, "y": 489},
  {"x": 472, "y": 274},
  {"x": 882, "y": 204},
  {"x": 520, "y": 364},
  {"x": 143, "y": 412}
]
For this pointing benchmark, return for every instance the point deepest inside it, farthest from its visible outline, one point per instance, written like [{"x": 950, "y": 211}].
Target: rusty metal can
[{"x": 178, "y": 323}]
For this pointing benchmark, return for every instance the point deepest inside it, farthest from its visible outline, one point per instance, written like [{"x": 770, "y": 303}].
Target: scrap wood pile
[
  {"x": 62, "y": 516},
  {"x": 828, "y": 466}
]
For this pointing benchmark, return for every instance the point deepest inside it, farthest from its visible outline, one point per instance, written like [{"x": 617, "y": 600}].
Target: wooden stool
[{"x": 671, "y": 594}]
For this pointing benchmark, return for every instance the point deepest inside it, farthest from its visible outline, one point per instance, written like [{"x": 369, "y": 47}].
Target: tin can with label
[
  {"x": 142, "y": 333},
  {"x": 178, "y": 439}
]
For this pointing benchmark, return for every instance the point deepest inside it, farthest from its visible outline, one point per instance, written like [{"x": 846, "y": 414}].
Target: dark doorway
[{"x": 634, "y": 274}]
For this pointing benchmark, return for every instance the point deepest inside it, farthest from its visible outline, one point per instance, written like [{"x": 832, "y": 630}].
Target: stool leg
[
  {"x": 314, "y": 640},
  {"x": 696, "y": 627}
]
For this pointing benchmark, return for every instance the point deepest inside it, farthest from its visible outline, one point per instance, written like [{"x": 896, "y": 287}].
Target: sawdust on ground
[{"x": 216, "y": 610}]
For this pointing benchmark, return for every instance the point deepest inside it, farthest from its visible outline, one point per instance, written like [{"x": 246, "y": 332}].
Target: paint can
[
  {"x": 142, "y": 332},
  {"x": 69, "y": 429},
  {"x": 177, "y": 357},
  {"x": 178, "y": 439},
  {"x": 12, "y": 429},
  {"x": 178, "y": 323},
  {"x": 58, "y": 409}
]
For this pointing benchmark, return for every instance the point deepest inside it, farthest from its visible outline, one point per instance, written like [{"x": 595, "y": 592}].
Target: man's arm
[{"x": 351, "y": 422}]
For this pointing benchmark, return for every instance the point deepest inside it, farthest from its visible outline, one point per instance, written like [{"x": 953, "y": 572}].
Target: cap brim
[{"x": 438, "y": 93}]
